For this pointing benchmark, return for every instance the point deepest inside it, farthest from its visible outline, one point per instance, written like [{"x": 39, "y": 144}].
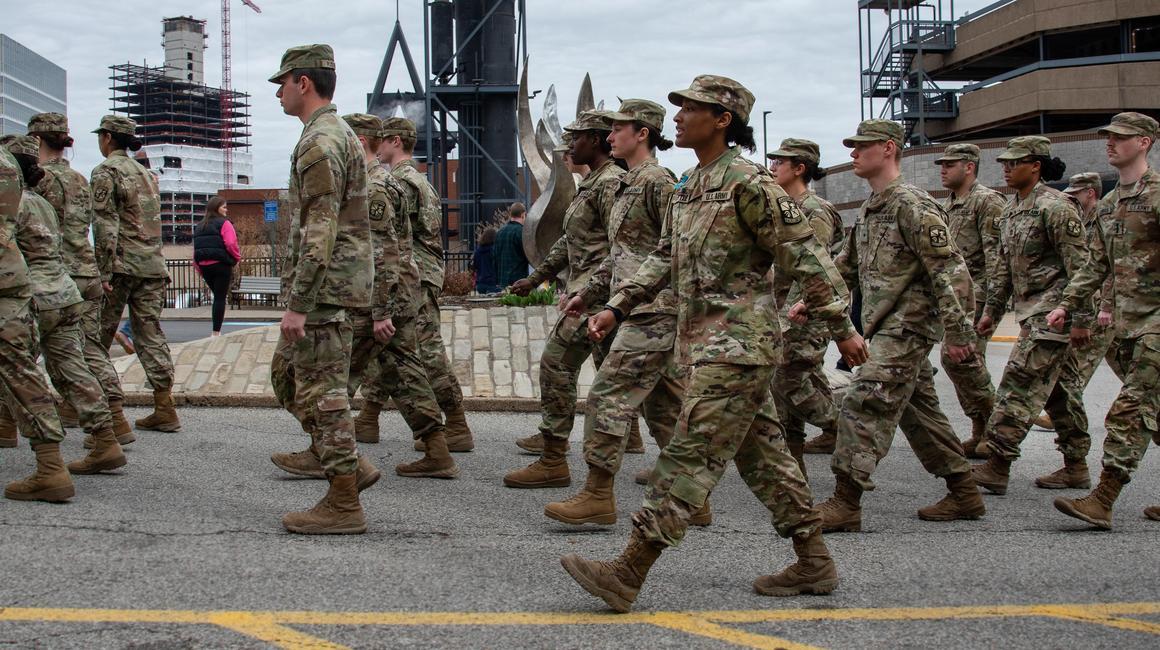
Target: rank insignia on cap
[
  {"x": 938, "y": 237},
  {"x": 790, "y": 214}
]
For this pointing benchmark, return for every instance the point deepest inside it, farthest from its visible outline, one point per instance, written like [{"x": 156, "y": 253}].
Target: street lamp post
[{"x": 764, "y": 135}]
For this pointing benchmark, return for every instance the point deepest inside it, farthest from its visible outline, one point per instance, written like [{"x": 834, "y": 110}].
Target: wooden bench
[{"x": 253, "y": 285}]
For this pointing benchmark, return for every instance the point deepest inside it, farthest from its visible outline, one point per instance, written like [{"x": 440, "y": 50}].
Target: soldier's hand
[
  {"x": 293, "y": 326},
  {"x": 521, "y": 287},
  {"x": 1081, "y": 336},
  {"x": 601, "y": 325},
  {"x": 574, "y": 306},
  {"x": 960, "y": 353},
  {"x": 107, "y": 287},
  {"x": 384, "y": 330},
  {"x": 1057, "y": 318},
  {"x": 984, "y": 326},
  {"x": 1104, "y": 318},
  {"x": 799, "y": 314},
  {"x": 854, "y": 350}
]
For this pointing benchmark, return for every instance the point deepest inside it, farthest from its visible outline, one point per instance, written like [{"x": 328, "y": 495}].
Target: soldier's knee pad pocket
[
  {"x": 332, "y": 402},
  {"x": 689, "y": 490}
]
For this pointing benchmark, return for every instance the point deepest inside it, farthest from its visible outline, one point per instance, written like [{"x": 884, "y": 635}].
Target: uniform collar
[
  {"x": 714, "y": 172},
  {"x": 329, "y": 108},
  {"x": 630, "y": 176},
  {"x": 877, "y": 199},
  {"x": 1132, "y": 191},
  {"x": 118, "y": 152},
  {"x": 409, "y": 162},
  {"x": 956, "y": 200},
  {"x": 598, "y": 174}
]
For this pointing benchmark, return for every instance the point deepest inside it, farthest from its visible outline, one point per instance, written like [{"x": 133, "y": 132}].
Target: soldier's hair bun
[
  {"x": 30, "y": 168},
  {"x": 1051, "y": 169},
  {"x": 55, "y": 140}
]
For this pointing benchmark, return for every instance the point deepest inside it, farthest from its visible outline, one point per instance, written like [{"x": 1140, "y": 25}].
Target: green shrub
[{"x": 536, "y": 297}]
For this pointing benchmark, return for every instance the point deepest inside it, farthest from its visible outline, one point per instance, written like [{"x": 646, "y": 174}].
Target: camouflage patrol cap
[
  {"x": 961, "y": 151},
  {"x": 364, "y": 124},
  {"x": 594, "y": 120},
  {"x": 48, "y": 123},
  {"x": 799, "y": 148},
  {"x": 28, "y": 145},
  {"x": 305, "y": 57},
  {"x": 876, "y": 131},
  {"x": 1027, "y": 145},
  {"x": 1084, "y": 181},
  {"x": 722, "y": 91},
  {"x": 650, "y": 114},
  {"x": 1132, "y": 124},
  {"x": 399, "y": 126},
  {"x": 117, "y": 124}
]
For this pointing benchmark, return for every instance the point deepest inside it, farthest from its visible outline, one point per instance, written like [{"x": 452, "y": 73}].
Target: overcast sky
[{"x": 799, "y": 57}]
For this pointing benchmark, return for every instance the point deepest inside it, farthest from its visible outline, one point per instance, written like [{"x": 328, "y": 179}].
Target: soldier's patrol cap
[
  {"x": 28, "y": 145},
  {"x": 961, "y": 151},
  {"x": 650, "y": 114},
  {"x": 1132, "y": 124},
  {"x": 117, "y": 124},
  {"x": 797, "y": 148},
  {"x": 1026, "y": 145},
  {"x": 399, "y": 126},
  {"x": 364, "y": 124},
  {"x": 305, "y": 57},
  {"x": 1084, "y": 181},
  {"x": 722, "y": 91},
  {"x": 48, "y": 123},
  {"x": 876, "y": 131},
  {"x": 594, "y": 120}
]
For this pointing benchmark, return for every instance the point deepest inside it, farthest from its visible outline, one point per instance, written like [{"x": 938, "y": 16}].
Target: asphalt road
[
  {"x": 180, "y": 331},
  {"x": 184, "y": 549}
]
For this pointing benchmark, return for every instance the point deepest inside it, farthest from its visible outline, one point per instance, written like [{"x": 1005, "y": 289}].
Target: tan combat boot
[
  {"x": 8, "y": 430},
  {"x": 641, "y": 477},
  {"x": 842, "y": 513},
  {"x": 813, "y": 573},
  {"x": 455, "y": 432},
  {"x": 106, "y": 455},
  {"x": 973, "y": 447},
  {"x": 1073, "y": 474},
  {"x": 1095, "y": 508},
  {"x": 702, "y": 517},
  {"x": 595, "y": 504},
  {"x": 635, "y": 442},
  {"x": 617, "y": 582},
  {"x": 121, "y": 427},
  {"x": 823, "y": 443},
  {"x": 367, "y": 474},
  {"x": 435, "y": 463},
  {"x": 69, "y": 418},
  {"x": 300, "y": 463},
  {"x": 797, "y": 450},
  {"x": 533, "y": 444},
  {"x": 366, "y": 425},
  {"x": 51, "y": 481},
  {"x": 338, "y": 513},
  {"x": 1152, "y": 512},
  {"x": 550, "y": 470},
  {"x": 963, "y": 502},
  {"x": 164, "y": 415},
  {"x": 993, "y": 474}
]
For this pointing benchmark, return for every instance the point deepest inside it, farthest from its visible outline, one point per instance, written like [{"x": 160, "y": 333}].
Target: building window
[
  {"x": 189, "y": 56},
  {"x": 189, "y": 77},
  {"x": 188, "y": 66},
  {"x": 1144, "y": 35},
  {"x": 173, "y": 162},
  {"x": 144, "y": 162},
  {"x": 243, "y": 179}
]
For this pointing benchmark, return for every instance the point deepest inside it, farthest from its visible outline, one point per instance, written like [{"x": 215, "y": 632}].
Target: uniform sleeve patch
[
  {"x": 790, "y": 213},
  {"x": 634, "y": 190},
  {"x": 378, "y": 209},
  {"x": 100, "y": 194},
  {"x": 1074, "y": 228},
  {"x": 938, "y": 237}
]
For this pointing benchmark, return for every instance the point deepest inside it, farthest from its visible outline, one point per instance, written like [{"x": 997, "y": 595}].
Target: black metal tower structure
[{"x": 466, "y": 102}]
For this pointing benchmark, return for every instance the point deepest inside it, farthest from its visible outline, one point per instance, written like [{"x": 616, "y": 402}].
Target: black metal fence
[
  {"x": 187, "y": 289},
  {"x": 456, "y": 262}
]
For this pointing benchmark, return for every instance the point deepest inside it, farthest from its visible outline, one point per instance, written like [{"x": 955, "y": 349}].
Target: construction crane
[{"x": 227, "y": 96}]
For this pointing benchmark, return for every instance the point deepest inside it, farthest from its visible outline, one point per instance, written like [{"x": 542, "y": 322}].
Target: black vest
[{"x": 208, "y": 243}]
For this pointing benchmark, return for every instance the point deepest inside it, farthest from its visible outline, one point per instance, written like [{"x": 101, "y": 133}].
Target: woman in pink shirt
[{"x": 215, "y": 252}]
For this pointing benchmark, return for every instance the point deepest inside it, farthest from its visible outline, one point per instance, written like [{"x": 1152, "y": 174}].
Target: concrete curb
[{"x": 491, "y": 404}]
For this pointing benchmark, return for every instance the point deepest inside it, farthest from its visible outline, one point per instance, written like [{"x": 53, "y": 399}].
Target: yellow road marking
[
  {"x": 271, "y": 626},
  {"x": 1004, "y": 339}
]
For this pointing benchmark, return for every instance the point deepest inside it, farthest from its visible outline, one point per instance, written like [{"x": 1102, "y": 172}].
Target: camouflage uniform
[
  {"x": 58, "y": 309},
  {"x": 901, "y": 258},
  {"x": 730, "y": 223},
  {"x": 641, "y": 368},
  {"x": 972, "y": 219},
  {"x": 1124, "y": 254},
  {"x": 422, "y": 209},
  {"x": 800, "y": 385},
  {"x": 329, "y": 271},
  {"x": 23, "y": 385},
  {"x": 581, "y": 249},
  {"x": 1042, "y": 244},
  {"x": 399, "y": 368},
  {"x": 127, "y": 241}
]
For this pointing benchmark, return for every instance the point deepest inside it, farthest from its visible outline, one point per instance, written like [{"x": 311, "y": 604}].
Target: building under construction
[{"x": 186, "y": 126}]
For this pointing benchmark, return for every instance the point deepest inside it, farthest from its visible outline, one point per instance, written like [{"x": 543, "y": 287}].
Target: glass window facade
[{"x": 29, "y": 84}]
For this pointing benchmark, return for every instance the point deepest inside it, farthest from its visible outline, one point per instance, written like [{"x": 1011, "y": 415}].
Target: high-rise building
[
  {"x": 185, "y": 125},
  {"x": 29, "y": 84}
]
